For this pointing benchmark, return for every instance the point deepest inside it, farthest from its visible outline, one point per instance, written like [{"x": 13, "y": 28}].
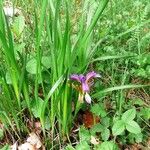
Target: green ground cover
[{"x": 76, "y": 73}]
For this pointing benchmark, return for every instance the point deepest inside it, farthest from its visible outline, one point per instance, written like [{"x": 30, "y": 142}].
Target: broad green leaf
[
  {"x": 31, "y": 66},
  {"x": 36, "y": 107},
  {"x": 105, "y": 134},
  {"x": 83, "y": 146},
  {"x": 139, "y": 138},
  {"x": 135, "y": 137},
  {"x": 18, "y": 49},
  {"x": 99, "y": 110},
  {"x": 131, "y": 137},
  {"x": 46, "y": 62},
  {"x": 129, "y": 115},
  {"x": 69, "y": 147},
  {"x": 139, "y": 102},
  {"x": 18, "y": 25},
  {"x": 105, "y": 121},
  {"x": 118, "y": 127},
  {"x": 145, "y": 113},
  {"x": 84, "y": 134},
  {"x": 96, "y": 128},
  {"x": 133, "y": 127},
  {"x": 107, "y": 146}
]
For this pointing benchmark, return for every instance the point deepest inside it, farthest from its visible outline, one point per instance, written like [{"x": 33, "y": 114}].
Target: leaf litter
[{"x": 33, "y": 142}]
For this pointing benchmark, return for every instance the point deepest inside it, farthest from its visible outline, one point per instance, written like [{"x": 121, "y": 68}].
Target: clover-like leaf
[
  {"x": 108, "y": 145},
  {"x": 98, "y": 110},
  {"x": 118, "y": 127},
  {"x": 84, "y": 134},
  {"x": 133, "y": 127},
  {"x": 129, "y": 115},
  {"x": 105, "y": 134},
  {"x": 83, "y": 145}
]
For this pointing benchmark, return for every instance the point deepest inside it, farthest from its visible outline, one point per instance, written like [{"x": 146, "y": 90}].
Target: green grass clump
[{"x": 50, "y": 40}]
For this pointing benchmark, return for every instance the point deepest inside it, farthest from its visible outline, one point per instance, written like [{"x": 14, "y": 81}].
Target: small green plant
[
  {"x": 126, "y": 122},
  {"x": 46, "y": 50},
  {"x": 142, "y": 68},
  {"x": 107, "y": 145}
]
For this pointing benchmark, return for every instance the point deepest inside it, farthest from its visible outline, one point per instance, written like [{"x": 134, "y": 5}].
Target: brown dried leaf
[
  {"x": 38, "y": 127},
  {"x": 89, "y": 119}
]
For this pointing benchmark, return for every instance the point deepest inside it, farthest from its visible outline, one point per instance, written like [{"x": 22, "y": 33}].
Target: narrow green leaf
[
  {"x": 6, "y": 147},
  {"x": 1, "y": 134},
  {"x": 43, "y": 107},
  {"x": 103, "y": 58},
  {"x": 97, "y": 15},
  {"x": 132, "y": 29},
  {"x": 118, "y": 88}
]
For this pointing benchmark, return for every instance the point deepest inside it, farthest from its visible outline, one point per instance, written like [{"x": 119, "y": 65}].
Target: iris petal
[
  {"x": 75, "y": 77},
  {"x": 88, "y": 98},
  {"x": 91, "y": 75},
  {"x": 85, "y": 87},
  {"x": 84, "y": 80}
]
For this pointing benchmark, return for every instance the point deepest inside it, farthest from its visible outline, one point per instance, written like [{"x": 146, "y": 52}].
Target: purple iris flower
[{"x": 84, "y": 81}]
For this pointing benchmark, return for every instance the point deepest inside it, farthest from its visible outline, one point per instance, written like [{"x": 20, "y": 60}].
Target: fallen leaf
[
  {"x": 94, "y": 140},
  {"x": 134, "y": 147},
  {"x": 26, "y": 146},
  {"x": 37, "y": 126},
  {"x": 14, "y": 146},
  {"x": 34, "y": 140},
  {"x": 89, "y": 119},
  {"x": 10, "y": 11}
]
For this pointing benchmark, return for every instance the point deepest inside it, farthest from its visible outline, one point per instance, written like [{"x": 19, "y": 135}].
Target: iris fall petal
[{"x": 88, "y": 98}]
